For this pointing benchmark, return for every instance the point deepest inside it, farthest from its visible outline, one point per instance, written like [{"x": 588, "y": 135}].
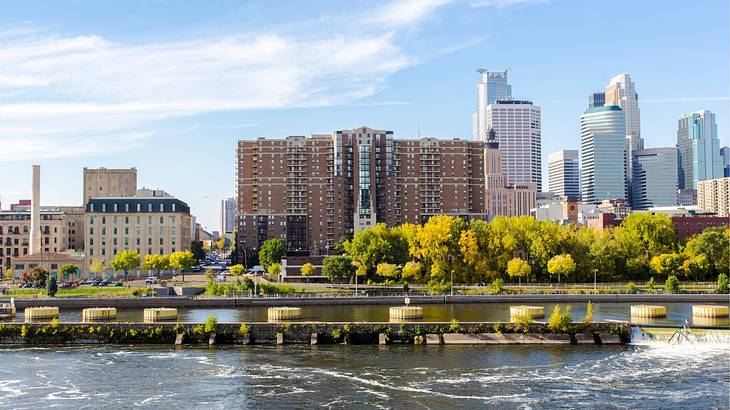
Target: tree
[
  {"x": 517, "y": 267},
  {"x": 37, "y": 276},
  {"x": 237, "y": 270},
  {"x": 272, "y": 250},
  {"x": 666, "y": 263},
  {"x": 9, "y": 273},
  {"x": 156, "y": 263},
  {"x": 671, "y": 285},
  {"x": 714, "y": 244},
  {"x": 274, "y": 270},
  {"x": 373, "y": 246},
  {"x": 561, "y": 265},
  {"x": 196, "y": 247},
  {"x": 96, "y": 267},
  {"x": 412, "y": 272},
  {"x": 68, "y": 271},
  {"x": 338, "y": 268},
  {"x": 126, "y": 260},
  {"x": 722, "y": 286},
  {"x": 388, "y": 270},
  {"x": 307, "y": 270},
  {"x": 181, "y": 261},
  {"x": 52, "y": 287}
]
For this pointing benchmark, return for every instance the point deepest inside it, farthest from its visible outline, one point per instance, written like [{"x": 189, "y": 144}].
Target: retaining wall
[{"x": 311, "y": 333}]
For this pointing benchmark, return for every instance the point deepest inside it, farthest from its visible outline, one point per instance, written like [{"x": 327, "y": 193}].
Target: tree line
[{"x": 449, "y": 249}]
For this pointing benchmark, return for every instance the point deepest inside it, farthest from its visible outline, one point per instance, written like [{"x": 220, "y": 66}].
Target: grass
[{"x": 104, "y": 292}]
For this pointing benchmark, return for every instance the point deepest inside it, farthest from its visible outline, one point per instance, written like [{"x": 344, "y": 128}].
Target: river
[{"x": 657, "y": 375}]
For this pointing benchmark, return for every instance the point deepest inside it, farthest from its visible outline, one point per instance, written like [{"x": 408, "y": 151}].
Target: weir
[{"x": 679, "y": 335}]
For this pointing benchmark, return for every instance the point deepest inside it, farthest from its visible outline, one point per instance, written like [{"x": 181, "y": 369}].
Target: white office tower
[
  {"x": 622, "y": 92},
  {"x": 516, "y": 127},
  {"x": 602, "y": 154},
  {"x": 492, "y": 86},
  {"x": 564, "y": 173},
  {"x": 35, "y": 212},
  {"x": 228, "y": 215}
]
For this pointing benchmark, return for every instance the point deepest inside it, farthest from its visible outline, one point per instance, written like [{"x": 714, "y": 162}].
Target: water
[
  {"x": 657, "y": 375},
  {"x": 464, "y": 312}
]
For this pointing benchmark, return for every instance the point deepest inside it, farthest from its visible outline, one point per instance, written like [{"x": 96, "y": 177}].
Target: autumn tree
[
  {"x": 156, "y": 263},
  {"x": 561, "y": 265},
  {"x": 182, "y": 261},
  {"x": 125, "y": 261},
  {"x": 518, "y": 268},
  {"x": 272, "y": 250},
  {"x": 237, "y": 270}
]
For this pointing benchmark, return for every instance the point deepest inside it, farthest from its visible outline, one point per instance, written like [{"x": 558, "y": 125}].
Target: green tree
[
  {"x": 666, "y": 263},
  {"x": 722, "y": 286},
  {"x": 274, "y": 270},
  {"x": 378, "y": 244},
  {"x": 9, "y": 273},
  {"x": 181, "y": 261},
  {"x": 714, "y": 244},
  {"x": 196, "y": 247},
  {"x": 561, "y": 265},
  {"x": 125, "y": 261},
  {"x": 388, "y": 270},
  {"x": 518, "y": 268},
  {"x": 96, "y": 267},
  {"x": 156, "y": 263},
  {"x": 68, "y": 271},
  {"x": 52, "y": 287},
  {"x": 671, "y": 285},
  {"x": 272, "y": 250},
  {"x": 237, "y": 270},
  {"x": 338, "y": 268}
]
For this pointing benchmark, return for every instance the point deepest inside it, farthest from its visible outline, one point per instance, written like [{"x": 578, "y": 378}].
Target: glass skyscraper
[
  {"x": 699, "y": 149},
  {"x": 493, "y": 86},
  {"x": 603, "y": 154},
  {"x": 654, "y": 181}
]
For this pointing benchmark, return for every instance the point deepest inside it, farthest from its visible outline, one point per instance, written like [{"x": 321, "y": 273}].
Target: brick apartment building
[{"x": 314, "y": 191}]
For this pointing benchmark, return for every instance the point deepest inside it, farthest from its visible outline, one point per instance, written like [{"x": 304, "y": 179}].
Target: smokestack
[{"x": 35, "y": 212}]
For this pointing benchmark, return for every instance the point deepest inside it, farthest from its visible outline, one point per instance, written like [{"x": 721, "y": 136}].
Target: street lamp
[{"x": 595, "y": 273}]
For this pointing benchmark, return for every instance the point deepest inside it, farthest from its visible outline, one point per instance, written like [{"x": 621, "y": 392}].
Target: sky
[{"x": 169, "y": 87}]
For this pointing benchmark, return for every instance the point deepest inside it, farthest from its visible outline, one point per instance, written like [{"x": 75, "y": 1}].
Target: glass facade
[{"x": 603, "y": 154}]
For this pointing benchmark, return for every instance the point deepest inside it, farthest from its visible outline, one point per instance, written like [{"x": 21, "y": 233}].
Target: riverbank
[
  {"x": 300, "y": 300},
  {"x": 312, "y": 333}
]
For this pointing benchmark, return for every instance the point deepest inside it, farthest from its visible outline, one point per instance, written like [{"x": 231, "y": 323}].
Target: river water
[
  {"x": 464, "y": 312},
  {"x": 657, "y": 375}
]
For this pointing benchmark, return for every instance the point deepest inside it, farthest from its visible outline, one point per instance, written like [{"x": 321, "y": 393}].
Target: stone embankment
[{"x": 311, "y": 333}]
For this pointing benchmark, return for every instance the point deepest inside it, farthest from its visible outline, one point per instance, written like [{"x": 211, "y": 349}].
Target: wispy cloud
[
  {"x": 58, "y": 92},
  {"x": 503, "y": 3}
]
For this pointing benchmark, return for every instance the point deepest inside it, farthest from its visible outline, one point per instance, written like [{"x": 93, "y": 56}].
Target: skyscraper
[
  {"x": 597, "y": 99},
  {"x": 516, "y": 126},
  {"x": 564, "y": 173},
  {"x": 622, "y": 93},
  {"x": 603, "y": 154},
  {"x": 492, "y": 86},
  {"x": 725, "y": 154},
  {"x": 654, "y": 182},
  {"x": 699, "y": 149},
  {"x": 228, "y": 215}
]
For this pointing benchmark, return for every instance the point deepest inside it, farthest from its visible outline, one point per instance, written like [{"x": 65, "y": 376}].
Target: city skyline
[{"x": 188, "y": 148}]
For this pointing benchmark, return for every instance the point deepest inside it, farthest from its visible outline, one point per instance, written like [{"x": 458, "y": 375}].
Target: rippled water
[{"x": 655, "y": 376}]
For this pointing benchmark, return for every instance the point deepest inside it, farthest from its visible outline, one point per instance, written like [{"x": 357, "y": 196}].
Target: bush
[
  {"x": 454, "y": 326},
  {"x": 651, "y": 285},
  {"x": 52, "y": 287},
  {"x": 496, "y": 286},
  {"x": 631, "y": 287},
  {"x": 722, "y": 285},
  {"x": 437, "y": 287},
  {"x": 143, "y": 292},
  {"x": 210, "y": 324},
  {"x": 589, "y": 313},
  {"x": 244, "y": 329},
  {"x": 560, "y": 321},
  {"x": 671, "y": 285}
]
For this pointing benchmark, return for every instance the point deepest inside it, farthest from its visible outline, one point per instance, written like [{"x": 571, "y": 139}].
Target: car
[
  {"x": 104, "y": 283},
  {"x": 74, "y": 284},
  {"x": 150, "y": 280},
  {"x": 118, "y": 283},
  {"x": 196, "y": 269}
]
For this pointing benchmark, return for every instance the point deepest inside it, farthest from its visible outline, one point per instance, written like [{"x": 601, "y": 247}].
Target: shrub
[
  {"x": 438, "y": 287},
  {"x": 560, "y": 321},
  {"x": 199, "y": 330},
  {"x": 671, "y": 285},
  {"x": 651, "y": 285},
  {"x": 589, "y": 313},
  {"x": 631, "y": 287},
  {"x": 525, "y": 321},
  {"x": 722, "y": 285},
  {"x": 454, "y": 326},
  {"x": 52, "y": 287},
  {"x": 496, "y": 286},
  {"x": 336, "y": 334},
  {"x": 210, "y": 324},
  {"x": 244, "y": 329}
]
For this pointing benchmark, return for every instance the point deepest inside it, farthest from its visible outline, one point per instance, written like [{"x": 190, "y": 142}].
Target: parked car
[
  {"x": 63, "y": 285},
  {"x": 74, "y": 284},
  {"x": 196, "y": 269},
  {"x": 118, "y": 283},
  {"x": 104, "y": 283},
  {"x": 151, "y": 280}
]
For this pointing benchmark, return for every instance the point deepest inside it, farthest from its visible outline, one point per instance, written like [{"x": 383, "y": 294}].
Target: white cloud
[
  {"x": 500, "y": 4},
  {"x": 405, "y": 12},
  {"x": 77, "y": 88}
]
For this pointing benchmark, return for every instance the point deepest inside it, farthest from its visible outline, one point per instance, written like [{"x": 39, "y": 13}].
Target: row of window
[{"x": 115, "y": 207}]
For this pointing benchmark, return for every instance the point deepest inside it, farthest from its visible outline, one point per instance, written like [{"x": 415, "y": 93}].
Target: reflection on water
[
  {"x": 677, "y": 313},
  {"x": 711, "y": 321},
  {"x": 653, "y": 376}
]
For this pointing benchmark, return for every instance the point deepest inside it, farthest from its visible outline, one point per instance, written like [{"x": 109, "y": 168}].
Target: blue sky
[{"x": 169, "y": 87}]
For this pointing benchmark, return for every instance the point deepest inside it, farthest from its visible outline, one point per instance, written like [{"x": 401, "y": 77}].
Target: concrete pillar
[
  {"x": 280, "y": 338},
  {"x": 313, "y": 338},
  {"x": 382, "y": 339},
  {"x": 35, "y": 212}
]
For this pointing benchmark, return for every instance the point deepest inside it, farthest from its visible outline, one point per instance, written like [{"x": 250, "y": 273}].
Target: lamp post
[{"x": 595, "y": 273}]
